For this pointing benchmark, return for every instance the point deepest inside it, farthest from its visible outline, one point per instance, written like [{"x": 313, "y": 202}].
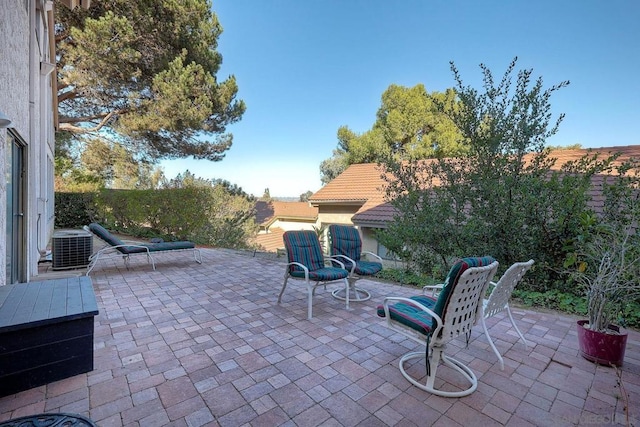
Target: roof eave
[
  {"x": 370, "y": 223},
  {"x": 350, "y": 202}
]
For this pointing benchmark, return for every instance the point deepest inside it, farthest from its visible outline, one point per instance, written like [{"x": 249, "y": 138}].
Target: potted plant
[{"x": 606, "y": 264}]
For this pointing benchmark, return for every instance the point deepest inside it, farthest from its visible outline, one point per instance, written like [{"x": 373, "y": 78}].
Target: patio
[{"x": 207, "y": 345}]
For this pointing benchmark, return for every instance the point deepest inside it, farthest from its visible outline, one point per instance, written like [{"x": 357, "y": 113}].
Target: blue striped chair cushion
[
  {"x": 303, "y": 246},
  {"x": 442, "y": 302},
  {"x": 367, "y": 268},
  {"x": 345, "y": 240},
  {"x": 325, "y": 274},
  {"x": 410, "y": 315}
]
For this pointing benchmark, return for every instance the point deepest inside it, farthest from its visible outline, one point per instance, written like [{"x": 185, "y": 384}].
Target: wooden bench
[{"x": 46, "y": 332}]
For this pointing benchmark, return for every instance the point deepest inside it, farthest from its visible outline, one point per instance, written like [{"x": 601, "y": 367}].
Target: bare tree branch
[{"x": 65, "y": 122}]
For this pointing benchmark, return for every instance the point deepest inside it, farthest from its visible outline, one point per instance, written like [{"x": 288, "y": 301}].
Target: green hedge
[
  {"x": 205, "y": 215},
  {"x": 73, "y": 210}
]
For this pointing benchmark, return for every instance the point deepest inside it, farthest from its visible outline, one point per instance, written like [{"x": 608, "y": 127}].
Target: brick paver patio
[{"x": 207, "y": 345}]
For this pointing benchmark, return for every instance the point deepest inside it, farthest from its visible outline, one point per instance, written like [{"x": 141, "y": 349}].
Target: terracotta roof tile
[
  {"x": 359, "y": 183},
  {"x": 362, "y": 184},
  {"x": 271, "y": 241},
  {"x": 267, "y": 212}
]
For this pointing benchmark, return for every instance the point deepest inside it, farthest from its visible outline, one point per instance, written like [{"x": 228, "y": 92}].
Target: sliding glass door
[{"x": 15, "y": 172}]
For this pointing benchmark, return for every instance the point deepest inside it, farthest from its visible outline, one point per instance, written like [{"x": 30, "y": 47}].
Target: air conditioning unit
[{"x": 71, "y": 249}]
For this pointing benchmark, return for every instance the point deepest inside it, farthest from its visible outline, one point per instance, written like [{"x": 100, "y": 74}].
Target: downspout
[{"x": 54, "y": 61}]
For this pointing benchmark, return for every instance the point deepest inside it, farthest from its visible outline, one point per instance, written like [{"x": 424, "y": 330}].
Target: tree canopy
[
  {"x": 143, "y": 73},
  {"x": 410, "y": 124},
  {"x": 504, "y": 197}
]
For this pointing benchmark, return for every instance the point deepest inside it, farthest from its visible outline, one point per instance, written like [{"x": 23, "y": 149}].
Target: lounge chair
[{"x": 119, "y": 248}]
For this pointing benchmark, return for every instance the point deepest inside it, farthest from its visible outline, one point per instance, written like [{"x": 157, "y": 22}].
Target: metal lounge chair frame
[
  {"x": 433, "y": 323},
  {"x": 346, "y": 245},
  {"x": 306, "y": 262},
  {"x": 119, "y": 248}
]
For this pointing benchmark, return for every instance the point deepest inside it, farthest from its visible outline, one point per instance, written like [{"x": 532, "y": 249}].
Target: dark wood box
[{"x": 46, "y": 332}]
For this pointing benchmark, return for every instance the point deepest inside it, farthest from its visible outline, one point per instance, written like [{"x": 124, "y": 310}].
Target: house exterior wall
[
  {"x": 369, "y": 242},
  {"x": 336, "y": 214},
  {"x": 26, "y": 98},
  {"x": 292, "y": 224}
]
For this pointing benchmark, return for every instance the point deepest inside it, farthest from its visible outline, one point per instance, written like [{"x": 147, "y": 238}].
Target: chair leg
[
  {"x": 197, "y": 256},
  {"x": 286, "y": 277},
  {"x": 93, "y": 260},
  {"x": 516, "y": 327},
  {"x": 434, "y": 360},
  {"x": 346, "y": 290},
  {"x": 495, "y": 350},
  {"x": 153, "y": 263},
  {"x": 310, "y": 291}
]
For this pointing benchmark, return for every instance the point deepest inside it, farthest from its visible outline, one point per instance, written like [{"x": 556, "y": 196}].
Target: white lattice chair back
[
  {"x": 463, "y": 309},
  {"x": 498, "y": 301},
  {"x": 436, "y": 321}
]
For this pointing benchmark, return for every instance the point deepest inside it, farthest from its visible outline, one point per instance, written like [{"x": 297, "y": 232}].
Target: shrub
[{"x": 205, "y": 215}]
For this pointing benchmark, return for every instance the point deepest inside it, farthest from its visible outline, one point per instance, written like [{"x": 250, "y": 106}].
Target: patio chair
[
  {"x": 435, "y": 322},
  {"x": 306, "y": 262},
  {"x": 346, "y": 245},
  {"x": 119, "y": 248},
  {"x": 498, "y": 300}
]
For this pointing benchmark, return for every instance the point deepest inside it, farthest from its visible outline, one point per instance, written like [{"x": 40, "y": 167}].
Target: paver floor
[{"x": 207, "y": 345}]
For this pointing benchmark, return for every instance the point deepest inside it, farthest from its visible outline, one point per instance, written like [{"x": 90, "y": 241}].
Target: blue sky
[{"x": 307, "y": 67}]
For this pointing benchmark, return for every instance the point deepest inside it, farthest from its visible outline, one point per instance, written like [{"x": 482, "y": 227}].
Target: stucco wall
[
  {"x": 14, "y": 64},
  {"x": 14, "y": 94},
  {"x": 26, "y": 98},
  {"x": 287, "y": 225}
]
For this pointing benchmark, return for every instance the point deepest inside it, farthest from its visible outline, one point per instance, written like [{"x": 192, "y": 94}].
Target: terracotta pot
[{"x": 603, "y": 348}]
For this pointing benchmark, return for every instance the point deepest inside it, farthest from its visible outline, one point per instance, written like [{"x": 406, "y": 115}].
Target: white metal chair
[
  {"x": 435, "y": 322},
  {"x": 346, "y": 245},
  {"x": 498, "y": 300},
  {"x": 306, "y": 262}
]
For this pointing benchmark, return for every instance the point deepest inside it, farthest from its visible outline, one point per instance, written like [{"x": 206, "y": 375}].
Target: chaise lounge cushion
[
  {"x": 169, "y": 246},
  {"x": 122, "y": 247}
]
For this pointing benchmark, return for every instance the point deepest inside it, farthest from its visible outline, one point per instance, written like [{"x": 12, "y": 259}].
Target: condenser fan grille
[{"x": 71, "y": 249}]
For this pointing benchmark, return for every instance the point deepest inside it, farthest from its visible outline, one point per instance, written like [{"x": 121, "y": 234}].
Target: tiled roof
[
  {"x": 267, "y": 212},
  {"x": 626, "y": 152},
  {"x": 271, "y": 241},
  {"x": 357, "y": 184},
  {"x": 360, "y": 184},
  {"x": 363, "y": 184}
]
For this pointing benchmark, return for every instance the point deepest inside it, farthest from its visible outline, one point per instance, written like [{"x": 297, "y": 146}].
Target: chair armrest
[
  {"x": 306, "y": 270},
  {"x": 435, "y": 289},
  {"x": 377, "y": 257},
  {"x": 416, "y": 304},
  {"x": 334, "y": 258}
]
